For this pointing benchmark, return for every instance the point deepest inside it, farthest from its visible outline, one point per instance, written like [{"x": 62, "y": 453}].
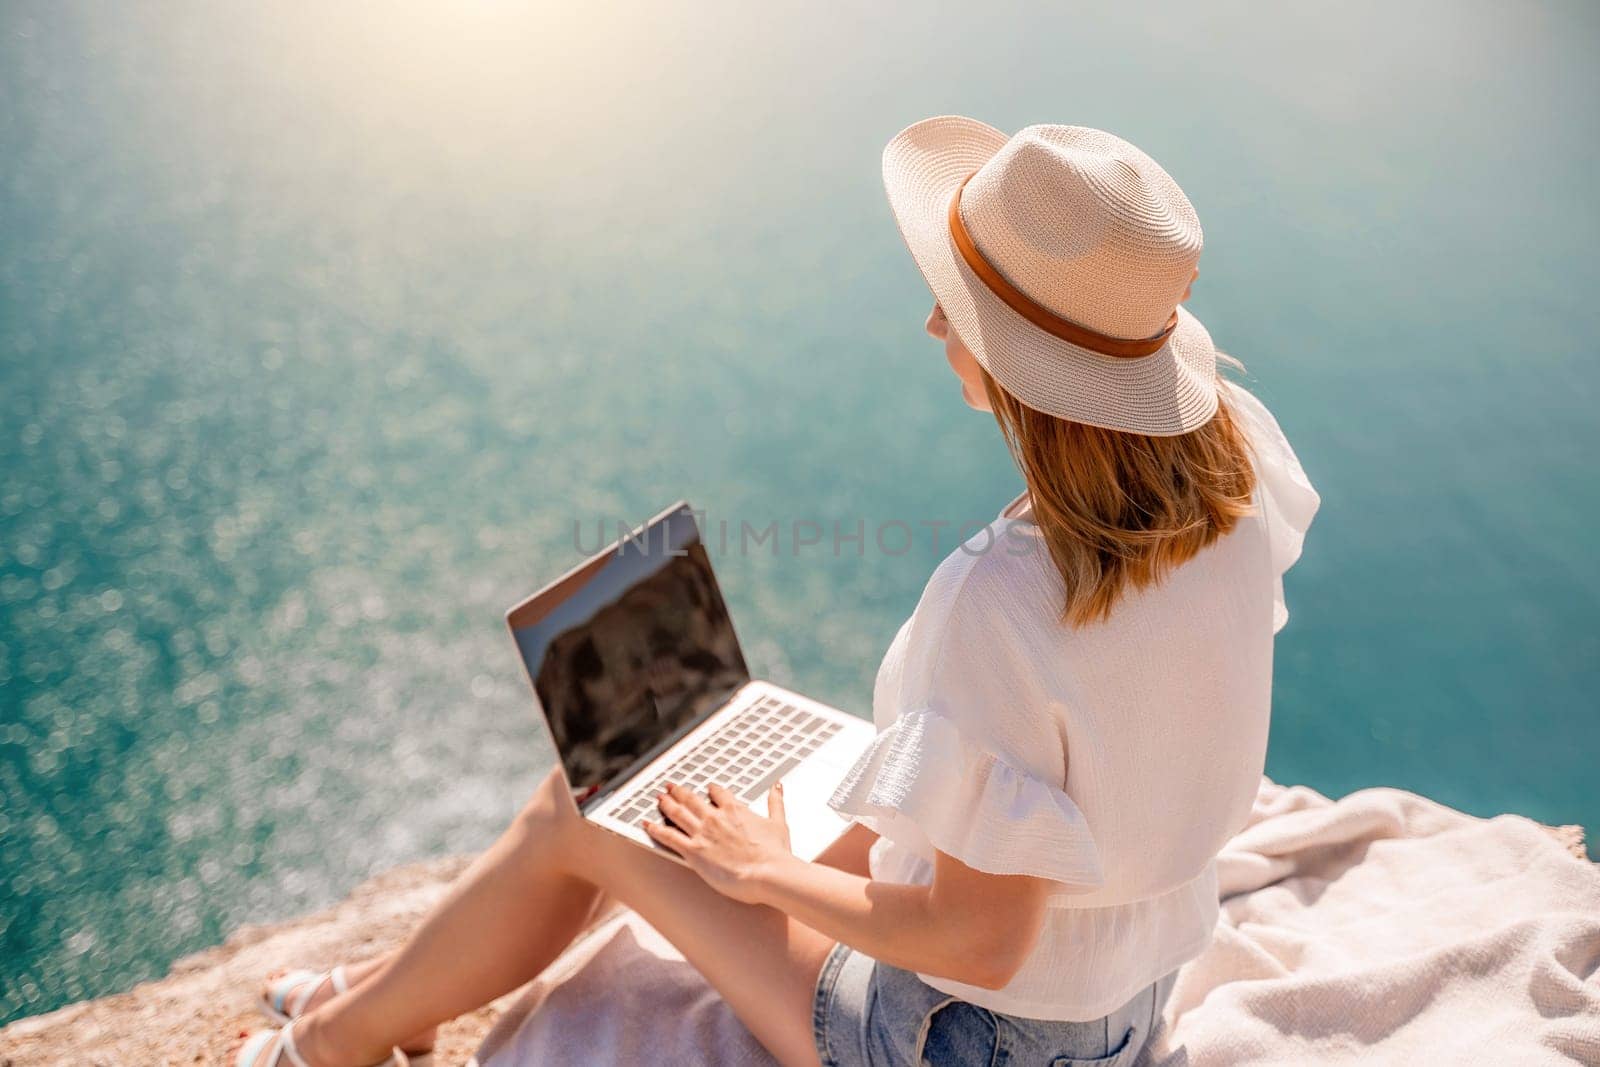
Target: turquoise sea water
[{"x": 321, "y": 324}]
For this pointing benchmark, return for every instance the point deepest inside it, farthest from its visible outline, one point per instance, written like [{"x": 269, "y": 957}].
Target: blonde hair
[{"x": 1119, "y": 511}]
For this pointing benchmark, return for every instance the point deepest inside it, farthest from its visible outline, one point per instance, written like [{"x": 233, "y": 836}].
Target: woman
[{"x": 1072, "y": 722}]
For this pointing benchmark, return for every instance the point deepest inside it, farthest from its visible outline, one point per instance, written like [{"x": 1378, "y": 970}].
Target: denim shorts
[{"x": 868, "y": 1014}]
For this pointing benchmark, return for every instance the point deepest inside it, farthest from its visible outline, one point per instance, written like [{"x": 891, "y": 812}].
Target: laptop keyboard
[{"x": 746, "y": 754}]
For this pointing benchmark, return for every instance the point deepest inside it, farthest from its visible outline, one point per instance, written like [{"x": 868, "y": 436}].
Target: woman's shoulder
[
  {"x": 1286, "y": 499},
  {"x": 998, "y": 563},
  {"x": 1278, "y": 467},
  {"x": 973, "y": 654},
  {"x": 997, "y": 583}
]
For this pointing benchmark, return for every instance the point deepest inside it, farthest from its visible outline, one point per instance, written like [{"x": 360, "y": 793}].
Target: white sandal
[
  {"x": 285, "y": 998},
  {"x": 250, "y": 1051}
]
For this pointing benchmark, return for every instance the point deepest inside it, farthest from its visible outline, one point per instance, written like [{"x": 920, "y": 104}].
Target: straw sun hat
[{"x": 1059, "y": 256}]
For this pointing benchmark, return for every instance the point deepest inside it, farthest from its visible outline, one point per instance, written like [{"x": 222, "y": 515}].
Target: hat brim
[{"x": 1171, "y": 391}]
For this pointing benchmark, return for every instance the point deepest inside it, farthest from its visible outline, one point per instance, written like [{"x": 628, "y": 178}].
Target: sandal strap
[
  {"x": 286, "y": 1044},
  {"x": 295, "y": 1005},
  {"x": 257, "y": 1043},
  {"x": 281, "y": 988},
  {"x": 251, "y": 1050},
  {"x": 292, "y": 992}
]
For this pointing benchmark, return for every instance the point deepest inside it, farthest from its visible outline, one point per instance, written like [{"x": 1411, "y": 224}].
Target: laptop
[{"x": 640, "y": 678}]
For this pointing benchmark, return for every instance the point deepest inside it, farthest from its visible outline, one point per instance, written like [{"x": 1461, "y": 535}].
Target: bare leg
[
  {"x": 763, "y": 963},
  {"x": 356, "y": 973},
  {"x": 848, "y": 853},
  {"x": 525, "y": 899},
  {"x": 504, "y": 920}
]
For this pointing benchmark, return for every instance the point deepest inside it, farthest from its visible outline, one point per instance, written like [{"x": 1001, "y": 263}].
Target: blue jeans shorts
[{"x": 868, "y": 1014}]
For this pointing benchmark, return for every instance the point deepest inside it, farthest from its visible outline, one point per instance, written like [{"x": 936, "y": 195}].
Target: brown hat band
[{"x": 1039, "y": 315}]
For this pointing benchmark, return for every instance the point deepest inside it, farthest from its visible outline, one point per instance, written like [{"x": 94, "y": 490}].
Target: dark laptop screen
[{"x": 630, "y": 651}]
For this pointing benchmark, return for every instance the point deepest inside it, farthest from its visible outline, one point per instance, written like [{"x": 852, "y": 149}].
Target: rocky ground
[{"x": 193, "y": 1015}]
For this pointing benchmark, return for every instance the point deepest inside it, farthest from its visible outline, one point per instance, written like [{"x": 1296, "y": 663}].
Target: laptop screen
[{"x": 629, "y": 651}]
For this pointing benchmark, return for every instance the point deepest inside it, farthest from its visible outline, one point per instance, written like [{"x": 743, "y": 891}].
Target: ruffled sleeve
[
  {"x": 1288, "y": 502},
  {"x": 922, "y": 782},
  {"x": 971, "y": 755}
]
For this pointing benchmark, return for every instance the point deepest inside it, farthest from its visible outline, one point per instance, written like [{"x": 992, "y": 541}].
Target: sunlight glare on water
[{"x": 321, "y": 324}]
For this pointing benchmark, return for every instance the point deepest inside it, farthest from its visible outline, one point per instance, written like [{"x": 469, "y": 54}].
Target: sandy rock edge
[{"x": 194, "y": 1014}]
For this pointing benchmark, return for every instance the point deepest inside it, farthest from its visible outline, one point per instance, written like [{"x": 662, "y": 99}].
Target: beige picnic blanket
[{"x": 1380, "y": 928}]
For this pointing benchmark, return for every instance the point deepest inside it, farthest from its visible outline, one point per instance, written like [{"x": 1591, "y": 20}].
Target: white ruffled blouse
[{"x": 1113, "y": 759}]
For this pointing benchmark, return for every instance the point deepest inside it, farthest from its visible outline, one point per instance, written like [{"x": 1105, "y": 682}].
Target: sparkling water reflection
[{"x": 319, "y": 326}]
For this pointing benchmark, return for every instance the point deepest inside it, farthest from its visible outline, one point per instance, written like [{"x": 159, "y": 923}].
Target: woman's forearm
[
  {"x": 897, "y": 924},
  {"x": 969, "y": 925}
]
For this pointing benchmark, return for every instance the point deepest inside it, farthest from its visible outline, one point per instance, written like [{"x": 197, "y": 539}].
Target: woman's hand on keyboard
[{"x": 721, "y": 839}]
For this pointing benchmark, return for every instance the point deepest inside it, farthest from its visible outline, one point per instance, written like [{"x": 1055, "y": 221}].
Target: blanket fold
[{"x": 1379, "y": 928}]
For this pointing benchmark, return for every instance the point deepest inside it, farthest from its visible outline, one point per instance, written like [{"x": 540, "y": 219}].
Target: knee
[{"x": 550, "y": 820}]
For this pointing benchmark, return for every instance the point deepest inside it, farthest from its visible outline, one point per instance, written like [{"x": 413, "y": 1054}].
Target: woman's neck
[{"x": 1020, "y": 508}]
